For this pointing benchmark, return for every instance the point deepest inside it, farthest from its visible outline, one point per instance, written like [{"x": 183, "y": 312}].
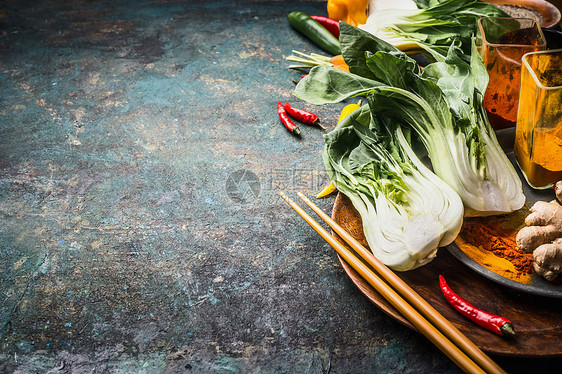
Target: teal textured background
[{"x": 121, "y": 246}]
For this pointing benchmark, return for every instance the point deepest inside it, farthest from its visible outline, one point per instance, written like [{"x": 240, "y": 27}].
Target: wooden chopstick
[
  {"x": 422, "y": 324},
  {"x": 410, "y": 295}
]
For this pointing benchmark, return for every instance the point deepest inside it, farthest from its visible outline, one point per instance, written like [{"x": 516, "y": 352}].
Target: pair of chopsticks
[{"x": 461, "y": 350}]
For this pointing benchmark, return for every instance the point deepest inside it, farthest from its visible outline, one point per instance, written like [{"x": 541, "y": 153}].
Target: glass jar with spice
[
  {"x": 502, "y": 42},
  {"x": 538, "y": 136}
]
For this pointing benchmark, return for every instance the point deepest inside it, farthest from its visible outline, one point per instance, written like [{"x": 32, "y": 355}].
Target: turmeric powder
[
  {"x": 490, "y": 236},
  {"x": 539, "y": 154},
  {"x": 547, "y": 150}
]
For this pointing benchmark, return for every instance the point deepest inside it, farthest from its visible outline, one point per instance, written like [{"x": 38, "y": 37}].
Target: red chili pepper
[
  {"x": 303, "y": 116},
  {"x": 329, "y": 24},
  {"x": 296, "y": 81},
  {"x": 286, "y": 121},
  {"x": 498, "y": 324}
]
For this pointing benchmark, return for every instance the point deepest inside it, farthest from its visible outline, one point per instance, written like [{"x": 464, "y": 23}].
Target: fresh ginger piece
[
  {"x": 547, "y": 259},
  {"x": 544, "y": 224},
  {"x": 543, "y": 236}
]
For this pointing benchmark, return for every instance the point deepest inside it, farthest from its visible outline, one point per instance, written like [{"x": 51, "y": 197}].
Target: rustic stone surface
[{"x": 141, "y": 230}]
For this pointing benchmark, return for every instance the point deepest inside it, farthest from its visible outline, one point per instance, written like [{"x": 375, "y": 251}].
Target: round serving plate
[
  {"x": 529, "y": 283},
  {"x": 537, "y": 319},
  {"x": 544, "y": 12},
  {"x": 532, "y": 304}
]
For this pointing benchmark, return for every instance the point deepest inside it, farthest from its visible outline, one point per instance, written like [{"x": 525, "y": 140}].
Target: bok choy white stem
[{"x": 407, "y": 211}]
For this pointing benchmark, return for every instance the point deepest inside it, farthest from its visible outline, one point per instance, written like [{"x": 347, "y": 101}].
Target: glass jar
[
  {"x": 503, "y": 41},
  {"x": 538, "y": 135}
]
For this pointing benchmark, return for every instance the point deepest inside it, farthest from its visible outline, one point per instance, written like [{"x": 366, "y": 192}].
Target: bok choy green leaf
[{"x": 434, "y": 26}]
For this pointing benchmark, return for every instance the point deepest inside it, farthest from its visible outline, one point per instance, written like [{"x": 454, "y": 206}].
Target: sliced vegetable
[
  {"x": 338, "y": 62},
  {"x": 308, "y": 61},
  {"x": 303, "y": 116},
  {"x": 330, "y": 24},
  {"x": 407, "y": 211},
  {"x": 315, "y": 32},
  {"x": 348, "y": 109},
  {"x": 315, "y": 59},
  {"x": 497, "y": 324},
  {"x": 327, "y": 190},
  {"x": 463, "y": 84},
  {"x": 286, "y": 121}
]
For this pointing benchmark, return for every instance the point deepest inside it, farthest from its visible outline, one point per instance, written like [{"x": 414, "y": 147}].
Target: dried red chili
[
  {"x": 297, "y": 81},
  {"x": 286, "y": 121},
  {"x": 303, "y": 116},
  {"x": 498, "y": 324}
]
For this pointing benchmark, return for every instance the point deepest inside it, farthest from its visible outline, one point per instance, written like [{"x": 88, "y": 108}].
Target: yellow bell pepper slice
[
  {"x": 353, "y": 12},
  {"x": 348, "y": 109},
  {"x": 327, "y": 190}
]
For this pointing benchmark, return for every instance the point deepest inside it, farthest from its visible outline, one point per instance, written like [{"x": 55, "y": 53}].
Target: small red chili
[
  {"x": 498, "y": 324},
  {"x": 297, "y": 81},
  {"x": 286, "y": 121},
  {"x": 303, "y": 116},
  {"x": 329, "y": 24}
]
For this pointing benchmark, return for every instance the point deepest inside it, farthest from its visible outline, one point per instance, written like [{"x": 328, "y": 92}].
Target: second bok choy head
[{"x": 406, "y": 210}]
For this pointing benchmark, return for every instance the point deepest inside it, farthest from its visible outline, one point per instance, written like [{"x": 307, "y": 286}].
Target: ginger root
[
  {"x": 543, "y": 236},
  {"x": 544, "y": 224},
  {"x": 547, "y": 259}
]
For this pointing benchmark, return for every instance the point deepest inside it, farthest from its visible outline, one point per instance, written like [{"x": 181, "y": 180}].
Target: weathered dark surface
[{"x": 129, "y": 239}]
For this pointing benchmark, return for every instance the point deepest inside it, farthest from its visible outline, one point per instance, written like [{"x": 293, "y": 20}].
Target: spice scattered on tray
[
  {"x": 500, "y": 241},
  {"x": 517, "y": 11},
  {"x": 491, "y": 242}
]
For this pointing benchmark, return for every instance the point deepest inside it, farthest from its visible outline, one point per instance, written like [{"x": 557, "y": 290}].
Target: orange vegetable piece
[
  {"x": 343, "y": 67},
  {"x": 353, "y": 12},
  {"x": 338, "y": 62}
]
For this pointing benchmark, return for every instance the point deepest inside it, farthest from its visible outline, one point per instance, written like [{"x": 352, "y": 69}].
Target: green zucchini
[{"x": 314, "y": 31}]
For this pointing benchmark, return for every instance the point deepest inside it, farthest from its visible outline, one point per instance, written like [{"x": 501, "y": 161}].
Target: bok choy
[
  {"x": 434, "y": 26},
  {"x": 443, "y": 108},
  {"x": 406, "y": 210}
]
